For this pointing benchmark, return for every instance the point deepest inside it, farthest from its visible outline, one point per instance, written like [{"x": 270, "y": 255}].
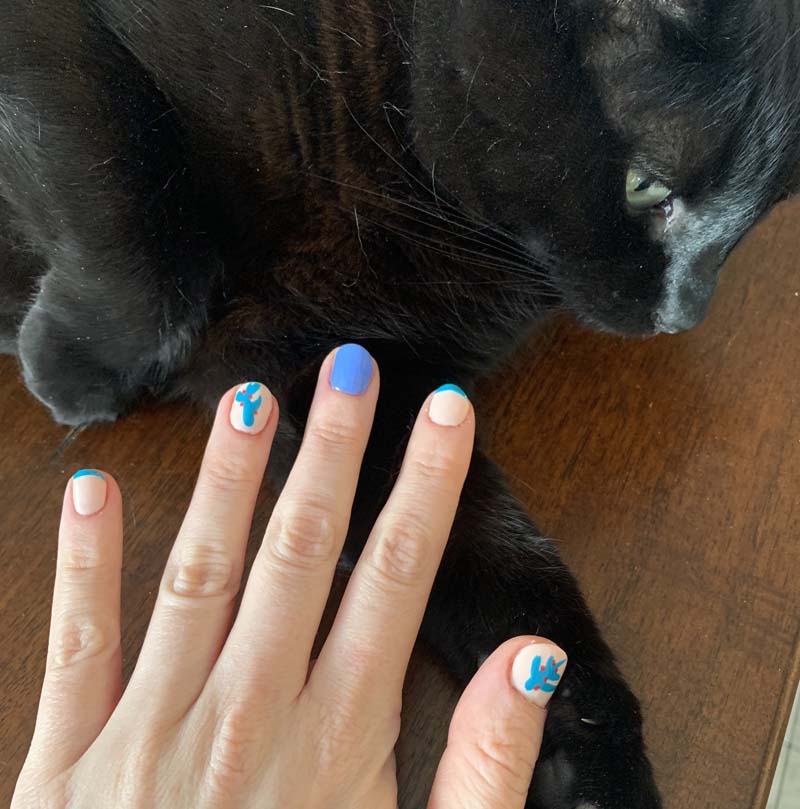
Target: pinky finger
[{"x": 82, "y": 680}]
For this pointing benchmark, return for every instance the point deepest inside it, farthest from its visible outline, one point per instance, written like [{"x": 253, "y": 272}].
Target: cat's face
[{"x": 635, "y": 141}]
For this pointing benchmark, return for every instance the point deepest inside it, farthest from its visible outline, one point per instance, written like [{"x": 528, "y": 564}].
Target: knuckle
[
  {"x": 496, "y": 761},
  {"x": 348, "y": 740},
  {"x": 333, "y": 436},
  {"x": 336, "y": 745},
  {"x": 432, "y": 467},
  {"x": 232, "y": 757},
  {"x": 302, "y": 536},
  {"x": 29, "y": 793},
  {"x": 228, "y": 473},
  {"x": 402, "y": 550},
  {"x": 203, "y": 571},
  {"x": 138, "y": 771},
  {"x": 77, "y": 638},
  {"x": 79, "y": 558}
]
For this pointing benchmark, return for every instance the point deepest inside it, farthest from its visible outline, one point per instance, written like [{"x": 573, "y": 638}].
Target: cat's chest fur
[
  {"x": 271, "y": 95},
  {"x": 297, "y": 129}
]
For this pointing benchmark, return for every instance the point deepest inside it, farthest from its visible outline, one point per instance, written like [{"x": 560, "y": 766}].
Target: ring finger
[{"x": 195, "y": 601}]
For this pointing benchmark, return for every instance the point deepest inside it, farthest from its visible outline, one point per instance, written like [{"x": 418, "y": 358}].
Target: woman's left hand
[{"x": 227, "y": 713}]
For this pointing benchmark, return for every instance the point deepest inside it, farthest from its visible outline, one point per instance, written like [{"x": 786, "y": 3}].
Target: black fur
[{"x": 196, "y": 194}]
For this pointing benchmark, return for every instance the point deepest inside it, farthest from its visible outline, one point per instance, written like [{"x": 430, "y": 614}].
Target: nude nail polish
[
  {"x": 251, "y": 407},
  {"x": 449, "y": 406},
  {"x": 537, "y": 670},
  {"x": 89, "y": 489}
]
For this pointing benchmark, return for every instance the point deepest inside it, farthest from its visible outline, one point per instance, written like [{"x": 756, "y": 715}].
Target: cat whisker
[
  {"x": 448, "y": 247},
  {"x": 524, "y": 270},
  {"x": 432, "y": 191},
  {"x": 481, "y": 238},
  {"x": 527, "y": 277},
  {"x": 68, "y": 440},
  {"x": 507, "y": 245},
  {"x": 456, "y": 212}
]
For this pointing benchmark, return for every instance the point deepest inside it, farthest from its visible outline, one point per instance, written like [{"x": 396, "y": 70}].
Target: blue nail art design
[
  {"x": 82, "y": 473},
  {"x": 352, "y": 369},
  {"x": 453, "y": 388},
  {"x": 540, "y": 674},
  {"x": 249, "y": 405}
]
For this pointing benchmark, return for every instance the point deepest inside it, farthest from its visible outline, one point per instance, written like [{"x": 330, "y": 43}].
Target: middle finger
[{"x": 291, "y": 577}]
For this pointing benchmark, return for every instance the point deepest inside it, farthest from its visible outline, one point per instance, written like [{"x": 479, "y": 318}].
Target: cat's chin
[
  {"x": 628, "y": 325},
  {"x": 618, "y": 327},
  {"x": 627, "y": 309}
]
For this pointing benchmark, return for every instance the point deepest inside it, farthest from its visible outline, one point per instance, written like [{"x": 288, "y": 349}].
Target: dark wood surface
[{"x": 668, "y": 470}]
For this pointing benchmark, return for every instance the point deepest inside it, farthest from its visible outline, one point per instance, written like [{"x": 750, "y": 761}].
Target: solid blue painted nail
[{"x": 352, "y": 369}]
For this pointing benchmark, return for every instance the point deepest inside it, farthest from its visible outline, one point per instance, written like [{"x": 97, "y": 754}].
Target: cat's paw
[
  {"x": 59, "y": 369},
  {"x": 593, "y": 756}
]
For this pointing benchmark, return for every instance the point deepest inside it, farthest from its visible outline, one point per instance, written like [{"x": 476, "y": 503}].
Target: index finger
[{"x": 369, "y": 646}]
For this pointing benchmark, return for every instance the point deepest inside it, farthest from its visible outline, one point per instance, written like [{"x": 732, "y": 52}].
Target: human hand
[{"x": 227, "y": 712}]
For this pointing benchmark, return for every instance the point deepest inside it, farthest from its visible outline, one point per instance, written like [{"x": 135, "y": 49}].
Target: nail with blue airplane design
[
  {"x": 251, "y": 407},
  {"x": 537, "y": 671}
]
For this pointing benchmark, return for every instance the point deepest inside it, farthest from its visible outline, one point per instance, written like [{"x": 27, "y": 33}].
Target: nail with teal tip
[
  {"x": 82, "y": 473},
  {"x": 453, "y": 388},
  {"x": 89, "y": 491},
  {"x": 449, "y": 406}
]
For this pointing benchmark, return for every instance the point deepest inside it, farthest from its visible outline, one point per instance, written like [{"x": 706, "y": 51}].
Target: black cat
[{"x": 192, "y": 194}]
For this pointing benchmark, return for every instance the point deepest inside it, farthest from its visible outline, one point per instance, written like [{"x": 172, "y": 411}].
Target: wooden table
[{"x": 669, "y": 471}]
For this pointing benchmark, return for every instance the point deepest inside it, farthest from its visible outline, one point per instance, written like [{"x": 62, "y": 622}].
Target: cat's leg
[
  {"x": 92, "y": 165},
  {"x": 20, "y": 269},
  {"x": 499, "y": 578}
]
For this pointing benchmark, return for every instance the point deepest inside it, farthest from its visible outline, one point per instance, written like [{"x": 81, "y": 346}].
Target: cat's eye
[{"x": 644, "y": 192}]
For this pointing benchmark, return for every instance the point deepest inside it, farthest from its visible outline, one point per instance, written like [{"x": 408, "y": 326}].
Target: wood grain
[{"x": 668, "y": 470}]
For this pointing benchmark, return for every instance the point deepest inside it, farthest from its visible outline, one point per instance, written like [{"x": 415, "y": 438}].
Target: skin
[
  {"x": 195, "y": 194},
  {"x": 225, "y": 711}
]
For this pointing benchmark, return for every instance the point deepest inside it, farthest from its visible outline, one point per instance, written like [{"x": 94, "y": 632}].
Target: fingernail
[
  {"x": 449, "y": 406},
  {"x": 537, "y": 671},
  {"x": 352, "y": 369},
  {"x": 88, "y": 491},
  {"x": 251, "y": 407}
]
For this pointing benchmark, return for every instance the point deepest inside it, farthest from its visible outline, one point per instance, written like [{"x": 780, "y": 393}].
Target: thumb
[{"x": 496, "y": 729}]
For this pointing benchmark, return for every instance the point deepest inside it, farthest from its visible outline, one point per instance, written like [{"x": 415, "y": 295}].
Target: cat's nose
[
  {"x": 683, "y": 307},
  {"x": 678, "y": 321},
  {"x": 688, "y": 289}
]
